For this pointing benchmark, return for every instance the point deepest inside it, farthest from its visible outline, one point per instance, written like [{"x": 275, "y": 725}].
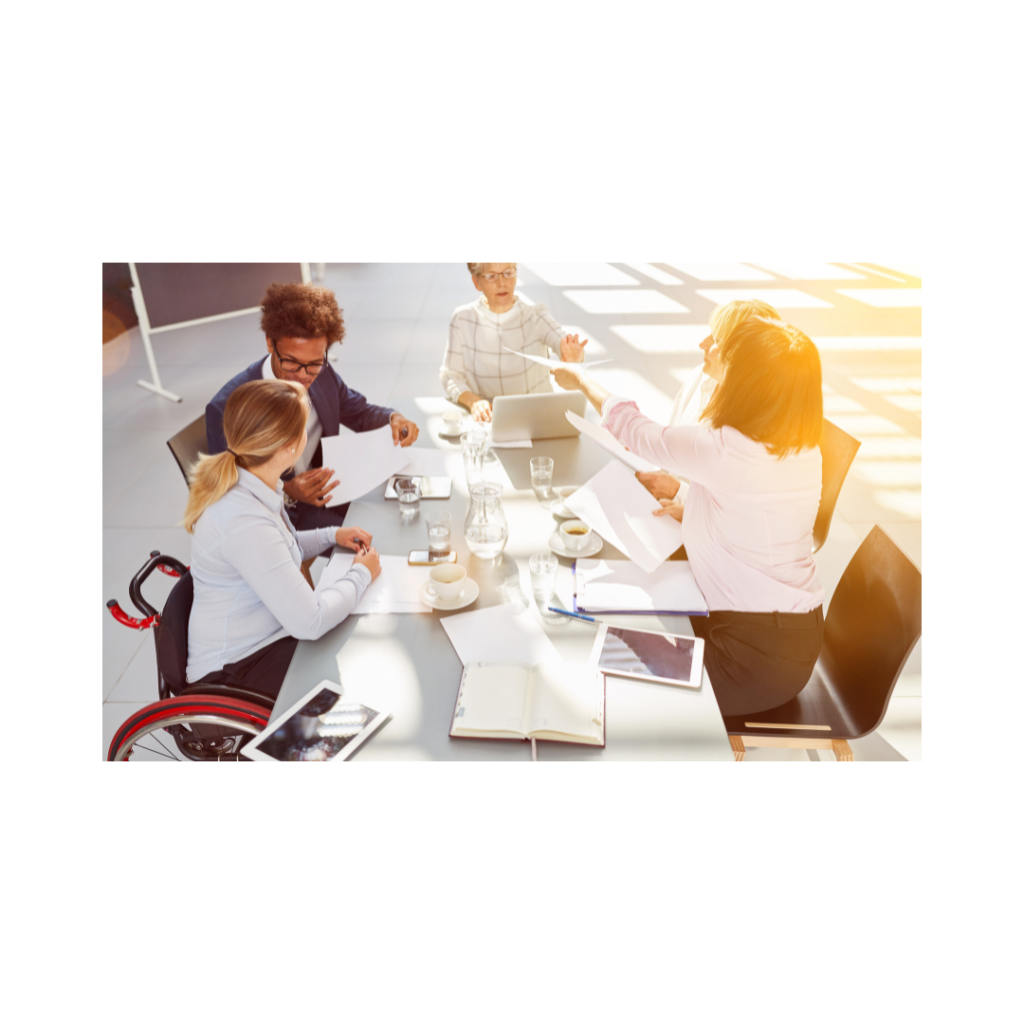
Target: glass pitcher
[{"x": 486, "y": 525}]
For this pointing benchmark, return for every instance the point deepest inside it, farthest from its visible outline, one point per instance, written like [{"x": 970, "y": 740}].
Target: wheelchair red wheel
[{"x": 198, "y": 728}]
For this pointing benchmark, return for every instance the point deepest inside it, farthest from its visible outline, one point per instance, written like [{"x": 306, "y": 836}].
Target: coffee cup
[
  {"x": 452, "y": 422},
  {"x": 448, "y": 581},
  {"x": 575, "y": 535}
]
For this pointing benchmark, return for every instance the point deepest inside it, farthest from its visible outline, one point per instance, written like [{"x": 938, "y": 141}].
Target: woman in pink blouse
[{"x": 755, "y": 482}]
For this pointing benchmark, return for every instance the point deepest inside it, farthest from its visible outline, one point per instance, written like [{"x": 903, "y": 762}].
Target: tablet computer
[
  {"x": 323, "y": 726},
  {"x": 430, "y": 486},
  {"x": 648, "y": 655}
]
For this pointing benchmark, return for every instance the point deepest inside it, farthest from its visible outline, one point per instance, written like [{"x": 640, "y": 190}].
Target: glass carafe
[{"x": 486, "y": 525}]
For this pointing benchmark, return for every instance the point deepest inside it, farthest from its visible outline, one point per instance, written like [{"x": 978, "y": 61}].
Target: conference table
[{"x": 405, "y": 663}]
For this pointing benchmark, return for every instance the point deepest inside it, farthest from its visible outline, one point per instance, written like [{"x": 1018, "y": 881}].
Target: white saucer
[
  {"x": 468, "y": 596},
  {"x": 592, "y": 547}
]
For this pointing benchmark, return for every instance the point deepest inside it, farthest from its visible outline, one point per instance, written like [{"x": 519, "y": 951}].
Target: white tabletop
[{"x": 406, "y": 663}]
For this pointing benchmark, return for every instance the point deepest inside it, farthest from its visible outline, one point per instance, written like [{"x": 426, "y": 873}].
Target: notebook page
[
  {"x": 567, "y": 698},
  {"x": 503, "y": 632},
  {"x": 492, "y": 698}
]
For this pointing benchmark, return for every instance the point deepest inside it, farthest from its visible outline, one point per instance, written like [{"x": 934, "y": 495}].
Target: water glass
[
  {"x": 408, "y": 490},
  {"x": 439, "y": 532},
  {"x": 474, "y": 445},
  {"x": 541, "y": 472},
  {"x": 543, "y": 569}
]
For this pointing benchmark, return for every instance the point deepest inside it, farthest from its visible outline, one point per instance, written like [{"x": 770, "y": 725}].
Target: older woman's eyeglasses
[
  {"x": 293, "y": 365},
  {"x": 507, "y": 274}
]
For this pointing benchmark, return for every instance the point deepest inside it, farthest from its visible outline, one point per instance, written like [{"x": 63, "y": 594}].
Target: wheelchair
[{"x": 208, "y": 722}]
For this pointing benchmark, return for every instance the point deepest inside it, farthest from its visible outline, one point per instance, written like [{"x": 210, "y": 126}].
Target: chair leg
[
  {"x": 842, "y": 750},
  {"x": 738, "y": 749}
]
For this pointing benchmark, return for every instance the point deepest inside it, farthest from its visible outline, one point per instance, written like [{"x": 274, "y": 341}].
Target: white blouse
[
  {"x": 475, "y": 359},
  {"x": 748, "y": 517},
  {"x": 249, "y": 589}
]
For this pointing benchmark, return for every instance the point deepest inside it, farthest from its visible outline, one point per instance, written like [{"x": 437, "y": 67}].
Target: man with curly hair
[{"x": 300, "y": 322}]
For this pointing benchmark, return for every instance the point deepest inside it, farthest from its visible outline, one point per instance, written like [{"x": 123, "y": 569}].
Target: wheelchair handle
[
  {"x": 156, "y": 560},
  {"x": 126, "y": 620}
]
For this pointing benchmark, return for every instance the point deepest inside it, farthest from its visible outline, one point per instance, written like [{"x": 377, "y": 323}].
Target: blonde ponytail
[
  {"x": 211, "y": 478},
  {"x": 259, "y": 419}
]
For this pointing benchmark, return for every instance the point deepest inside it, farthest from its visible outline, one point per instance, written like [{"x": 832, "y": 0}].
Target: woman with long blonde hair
[
  {"x": 697, "y": 390},
  {"x": 252, "y": 604},
  {"x": 754, "y": 468}
]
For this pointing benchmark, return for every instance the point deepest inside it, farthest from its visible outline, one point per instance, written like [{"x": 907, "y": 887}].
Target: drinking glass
[
  {"x": 541, "y": 472},
  {"x": 408, "y": 491},
  {"x": 543, "y": 569},
  {"x": 474, "y": 444},
  {"x": 439, "y": 532}
]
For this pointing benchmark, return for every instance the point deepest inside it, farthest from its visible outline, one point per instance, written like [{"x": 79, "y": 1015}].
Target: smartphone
[{"x": 429, "y": 558}]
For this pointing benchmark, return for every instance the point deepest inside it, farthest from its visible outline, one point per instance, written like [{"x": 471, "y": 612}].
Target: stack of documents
[
  {"x": 396, "y": 589},
  {"x": 624, "y": 588}
]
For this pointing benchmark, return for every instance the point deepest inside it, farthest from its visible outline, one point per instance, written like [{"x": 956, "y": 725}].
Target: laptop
[{"x": 535, "y": 417}]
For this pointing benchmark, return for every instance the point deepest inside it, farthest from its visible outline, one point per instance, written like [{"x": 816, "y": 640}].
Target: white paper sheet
[
  {"x": 615, "y": 586},
  {"x": 362, "y": 462},
  {"x": 610, "y": 444},
  {"x": 396, "y": 589},
  {"x": 503, "y": 632},
  {"x": 430, "y": 461},
  {"x": 552, "y": 364},
  {"x": 619, "y": 508}
]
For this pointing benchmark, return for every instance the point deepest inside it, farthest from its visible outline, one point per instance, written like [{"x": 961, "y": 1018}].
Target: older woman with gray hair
[{"x": 476, "y": 365}]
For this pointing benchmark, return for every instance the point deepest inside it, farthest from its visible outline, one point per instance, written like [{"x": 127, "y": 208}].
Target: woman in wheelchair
[{"x": 252, "y": 604}]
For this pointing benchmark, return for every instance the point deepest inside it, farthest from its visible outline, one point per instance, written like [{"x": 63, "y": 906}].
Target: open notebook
[{"x": 554, "y": 700}]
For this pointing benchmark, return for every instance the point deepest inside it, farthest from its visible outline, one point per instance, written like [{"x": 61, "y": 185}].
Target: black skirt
[
  {"x": 759, "y": 660},
  {"x": 263, "y": 670}
]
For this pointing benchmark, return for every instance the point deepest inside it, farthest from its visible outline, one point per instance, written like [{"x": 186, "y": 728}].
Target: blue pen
[{"x": 572, "y": 615}]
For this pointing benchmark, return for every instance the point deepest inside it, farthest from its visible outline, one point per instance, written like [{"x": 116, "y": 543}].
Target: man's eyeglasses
[
  {"x": 293, "y": 365},
  {"x": 507, "y": 274}
]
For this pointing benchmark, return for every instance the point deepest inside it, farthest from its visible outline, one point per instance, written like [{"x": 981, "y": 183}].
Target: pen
[{"x": 572, "y": 615}]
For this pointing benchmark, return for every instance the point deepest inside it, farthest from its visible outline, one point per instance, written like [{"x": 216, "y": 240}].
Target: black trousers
[
  {"x": 759, "y": 660},
  {"x": 264, "y": 670}
]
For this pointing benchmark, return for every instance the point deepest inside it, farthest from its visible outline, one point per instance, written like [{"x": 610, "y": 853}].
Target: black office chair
[
  {"x": 208, "y": 722},
  {"x": 837, "y": 452},
  {"x": 872, "y": 625},
  {"x": 188, "y": 444}
]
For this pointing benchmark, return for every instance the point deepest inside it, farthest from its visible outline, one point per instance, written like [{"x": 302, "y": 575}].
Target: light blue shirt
[{"x": 249, "y": 590}]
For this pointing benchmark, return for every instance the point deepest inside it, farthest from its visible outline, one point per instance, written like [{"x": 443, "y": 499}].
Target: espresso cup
[
  {"x": 575, "y": 535},
  {"x": 448, "y": 581}
]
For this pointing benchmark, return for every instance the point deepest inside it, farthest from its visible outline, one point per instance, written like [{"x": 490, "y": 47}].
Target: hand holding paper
[{"x": 361, "y": 462}]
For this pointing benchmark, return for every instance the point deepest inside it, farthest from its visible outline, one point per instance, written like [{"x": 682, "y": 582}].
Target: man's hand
[
  {"x": 399, "y": 424},
  {"x": 353, "y": 537},
  {"x": 571, "y": 349},
  {"x": 312, "y": 487},
  {"x": 670, "y": 508},
  {"x": 371, "y": 560},
  {"x": 661, "y": 485}
]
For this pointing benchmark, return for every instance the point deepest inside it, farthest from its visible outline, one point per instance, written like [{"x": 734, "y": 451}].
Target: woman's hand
[
  {"x": 353, "y": 537},
  {"x": 661, "y": 485},
  {"x": 480, "y": 410},
  {"x": 670, "y": 508},
  {"x": 371, "y": 560},
  {"x": 571, "y": 349},
  {"x": 569, "y": 378}
]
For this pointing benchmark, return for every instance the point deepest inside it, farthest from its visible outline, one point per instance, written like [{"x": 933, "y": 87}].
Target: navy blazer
[{"x": 335, "y": 403}]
